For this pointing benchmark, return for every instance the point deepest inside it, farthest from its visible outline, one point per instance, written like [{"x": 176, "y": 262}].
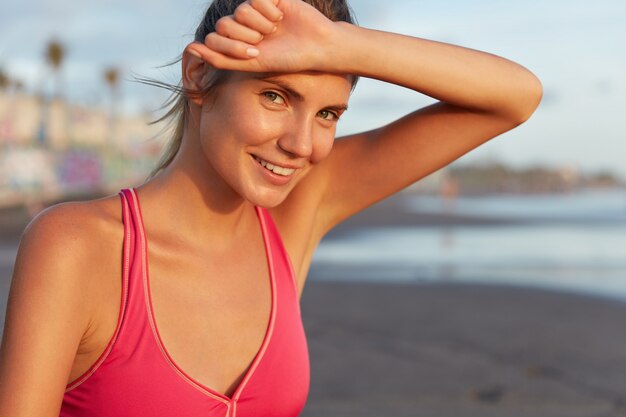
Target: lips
[{"x": 276, "y": 169}]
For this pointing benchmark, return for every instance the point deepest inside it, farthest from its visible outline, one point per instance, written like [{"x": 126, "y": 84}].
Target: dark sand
[{"x": 463, "y": 350}]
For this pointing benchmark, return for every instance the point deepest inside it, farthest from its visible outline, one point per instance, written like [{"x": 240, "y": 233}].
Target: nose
[{"x": 297, "y": 139}]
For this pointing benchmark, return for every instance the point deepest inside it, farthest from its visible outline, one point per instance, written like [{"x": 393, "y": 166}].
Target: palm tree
[
  {"x": 18, "y": 86},
  {"x": 112, "y": 78},
  {"x": 5, "y": 81},
  {"x": 54, "y": 55}
]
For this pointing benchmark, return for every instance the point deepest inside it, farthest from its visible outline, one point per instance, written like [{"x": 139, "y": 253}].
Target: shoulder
[
  {"x": 72, "y": 230},
  {"x": 62, "y": 245},
  {"x": 56, "y": 290},
  {"x": 66, "y": 260},
  {"x": 74, "y": 216}
]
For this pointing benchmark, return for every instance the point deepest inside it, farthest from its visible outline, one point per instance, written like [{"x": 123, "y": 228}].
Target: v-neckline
[{"x": 151, "y": 317}]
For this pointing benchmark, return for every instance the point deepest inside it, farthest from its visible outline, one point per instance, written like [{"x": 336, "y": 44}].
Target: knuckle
[
  {"x": 221, "y": 25},
  {"x": 211, "y": 38},
  {"x": 266, "y": 29},
  {"x": 243, "y": 11},
  {"x": 242, "y": 50}
]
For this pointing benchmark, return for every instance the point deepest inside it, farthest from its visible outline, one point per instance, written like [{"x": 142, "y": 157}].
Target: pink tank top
[{"x": 136, "y": 376}]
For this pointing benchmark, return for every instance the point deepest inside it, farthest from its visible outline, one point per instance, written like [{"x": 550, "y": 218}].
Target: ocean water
[
  {"x": 574, "y": 242},
  {"x": 584, "y": 206}
]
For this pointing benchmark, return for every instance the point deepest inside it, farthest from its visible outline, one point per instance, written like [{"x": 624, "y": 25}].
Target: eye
[
  {"x": 274, "y": 97},
  {"x": 328, "y": 115}
]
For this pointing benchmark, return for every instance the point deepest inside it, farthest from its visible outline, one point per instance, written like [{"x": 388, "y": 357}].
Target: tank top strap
[
  {"x": 280, "y": 258},
  {"x": 135, "y": 316}
]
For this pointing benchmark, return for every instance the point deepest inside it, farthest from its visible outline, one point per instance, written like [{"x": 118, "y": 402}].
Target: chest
[{"x": 211, "y": 310}]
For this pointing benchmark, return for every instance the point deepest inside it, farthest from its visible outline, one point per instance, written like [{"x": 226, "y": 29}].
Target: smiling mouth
[{"x": 282, "y": 171}]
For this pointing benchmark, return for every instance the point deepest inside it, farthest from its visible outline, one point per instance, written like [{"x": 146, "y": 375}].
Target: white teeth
[{"x": 285, "y": 172}]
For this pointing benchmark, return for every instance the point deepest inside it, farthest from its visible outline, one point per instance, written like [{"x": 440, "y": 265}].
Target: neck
[{"x": 188, "y": 199}]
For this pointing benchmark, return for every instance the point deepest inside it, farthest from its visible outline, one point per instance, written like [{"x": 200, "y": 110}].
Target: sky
[{"x": 575, "y": 47}]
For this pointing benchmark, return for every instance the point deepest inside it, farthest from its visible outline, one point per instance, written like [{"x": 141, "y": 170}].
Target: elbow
[{"x": 528, "y": 99}]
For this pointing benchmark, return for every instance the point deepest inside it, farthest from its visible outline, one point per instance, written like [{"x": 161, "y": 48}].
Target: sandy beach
[{"x": 463, "y": 350}]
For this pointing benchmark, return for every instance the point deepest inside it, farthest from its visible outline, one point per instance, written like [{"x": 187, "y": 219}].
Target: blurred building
[
  {"x": 23, "y": 116},
  {"x": 51, "y": 148}
]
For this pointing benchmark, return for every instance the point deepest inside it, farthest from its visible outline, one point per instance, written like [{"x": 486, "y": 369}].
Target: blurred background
[{"x": 542, "y": 206}]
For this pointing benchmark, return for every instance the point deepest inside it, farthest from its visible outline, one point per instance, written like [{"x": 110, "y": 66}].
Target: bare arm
[
  {"x": 481, "y": 96},
  {"x": 46, "y": 317}
]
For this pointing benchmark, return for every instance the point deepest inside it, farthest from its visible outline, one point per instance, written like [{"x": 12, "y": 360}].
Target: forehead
[{"x": 306, "y": 84}]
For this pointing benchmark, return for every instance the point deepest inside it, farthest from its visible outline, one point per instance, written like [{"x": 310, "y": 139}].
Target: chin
[{"x": 267, "y": 198}]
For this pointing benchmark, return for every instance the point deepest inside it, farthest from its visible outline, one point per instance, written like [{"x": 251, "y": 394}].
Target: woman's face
[{"x": 262, "y": 133}]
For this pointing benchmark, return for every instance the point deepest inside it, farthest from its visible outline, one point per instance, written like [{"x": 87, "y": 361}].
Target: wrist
[{"x": 338, "y": 48}]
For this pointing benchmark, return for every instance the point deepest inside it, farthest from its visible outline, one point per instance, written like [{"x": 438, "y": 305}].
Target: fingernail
[
  {"x": 195, "y": 53},
  {"x": 275, "y": 29},
  {"x": 252, "y": 52}
]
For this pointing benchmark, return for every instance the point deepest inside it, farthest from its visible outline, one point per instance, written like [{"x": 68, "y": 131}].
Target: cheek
[
  {"x": 256, "y": 128},
  {"x": 241, "y": 121},
  {"x": 322, "y": 146}
]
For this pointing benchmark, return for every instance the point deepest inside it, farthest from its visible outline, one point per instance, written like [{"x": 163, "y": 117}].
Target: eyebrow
[{"x": 272, "y": 78}]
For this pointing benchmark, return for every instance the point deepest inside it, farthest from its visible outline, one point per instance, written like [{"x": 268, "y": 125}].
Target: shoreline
[
  {"x": 390, "y": 212},
  {"x": 13, "y": 221}
]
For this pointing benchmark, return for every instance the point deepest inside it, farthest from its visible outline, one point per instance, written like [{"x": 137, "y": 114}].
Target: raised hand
[{"x": 270, "y": 36}]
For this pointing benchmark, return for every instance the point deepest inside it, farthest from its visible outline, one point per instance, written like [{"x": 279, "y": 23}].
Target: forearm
[{"x": 460, "y": 76}]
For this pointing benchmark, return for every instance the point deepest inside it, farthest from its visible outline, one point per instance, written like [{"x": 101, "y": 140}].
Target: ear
[{"x": 196, "y": 72}]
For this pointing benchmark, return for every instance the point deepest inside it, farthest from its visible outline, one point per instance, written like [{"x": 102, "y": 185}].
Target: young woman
[{"x": 180, "y": 297}]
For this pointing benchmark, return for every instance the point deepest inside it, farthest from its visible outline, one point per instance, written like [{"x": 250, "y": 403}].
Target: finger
[
  {"x": 228, "y": 27},
  {"x": 230, "y": 47},
  {"x": 220, "y": 61},
  {"x": 268, "y": 9},
  {"x": 246, "y": 15}
]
